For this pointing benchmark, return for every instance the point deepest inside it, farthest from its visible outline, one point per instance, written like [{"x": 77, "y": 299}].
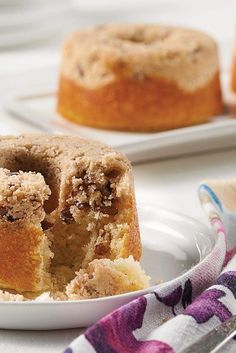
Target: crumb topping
[
  {"x": 22, "y": 195},
  {"x": 98, "y": 56}
]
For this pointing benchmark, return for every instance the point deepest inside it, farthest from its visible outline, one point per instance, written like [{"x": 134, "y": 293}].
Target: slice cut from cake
[{"x": 105, "y": 277}]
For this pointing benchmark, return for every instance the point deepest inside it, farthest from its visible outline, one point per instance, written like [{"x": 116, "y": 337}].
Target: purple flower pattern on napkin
[
  {"x": 177, "y": 296},
  {"x": 114, "y": 333},
  {"x": 171, "y": 299},
  {"x": 228, "y": 280},
  {"x": 133, "y": 328},
  {"x": 208, "y": 305}
]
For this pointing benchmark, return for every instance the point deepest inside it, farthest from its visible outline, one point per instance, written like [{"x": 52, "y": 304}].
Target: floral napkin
[{"x": 182, "y": 310}]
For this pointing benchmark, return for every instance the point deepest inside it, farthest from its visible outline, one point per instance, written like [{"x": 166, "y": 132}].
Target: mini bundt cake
[
  {"x": 139, "y": 78},
  {"x": 64, "y": 201}
]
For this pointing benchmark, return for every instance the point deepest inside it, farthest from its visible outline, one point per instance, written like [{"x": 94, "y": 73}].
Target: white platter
[
  {"x": 172, "y": 244},
  {"x": 40, "y": 112},
  {"x": 35, "y": 104}
]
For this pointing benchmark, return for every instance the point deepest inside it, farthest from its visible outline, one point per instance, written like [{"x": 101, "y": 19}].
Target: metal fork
[{"x": 214, "y": 340}]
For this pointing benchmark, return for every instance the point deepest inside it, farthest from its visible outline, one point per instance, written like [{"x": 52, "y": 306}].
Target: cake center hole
[{"x": 145, "y": 38}]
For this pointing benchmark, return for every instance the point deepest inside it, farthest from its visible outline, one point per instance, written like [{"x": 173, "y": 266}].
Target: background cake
[{"x": 139, "y": 78}]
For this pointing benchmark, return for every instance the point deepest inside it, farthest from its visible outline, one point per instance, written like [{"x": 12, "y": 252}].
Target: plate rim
[{"x": 163, "y": 144}]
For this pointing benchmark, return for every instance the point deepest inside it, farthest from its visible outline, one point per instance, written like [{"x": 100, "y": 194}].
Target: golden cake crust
[
  {"x": 20, "y": 260},
  {"x": 139, "y": 77},
  {"x": 233, "y": 73},
  {"x": 132, "y": 106}
]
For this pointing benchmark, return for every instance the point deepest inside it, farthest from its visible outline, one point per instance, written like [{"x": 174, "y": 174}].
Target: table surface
[{"x": 169, "y": 183}]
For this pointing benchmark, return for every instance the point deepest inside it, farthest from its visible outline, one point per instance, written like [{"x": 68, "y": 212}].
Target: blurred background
[{"x": 32, "y": 31}]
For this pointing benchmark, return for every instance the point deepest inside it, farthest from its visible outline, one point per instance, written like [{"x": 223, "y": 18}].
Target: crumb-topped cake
[
  {"x": 139, "y": 77},
  {"x": 64, "y": 202}
]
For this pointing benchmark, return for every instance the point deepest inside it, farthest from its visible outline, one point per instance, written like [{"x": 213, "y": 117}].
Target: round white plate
[{"x": 172, "y": 244}]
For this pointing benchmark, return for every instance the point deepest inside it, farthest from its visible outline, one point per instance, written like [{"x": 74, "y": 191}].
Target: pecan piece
[
  {"x": 66, "y": 216},
  {"x": 102, "y": 248},
  {"x": 82, "y": 205},
  {"x": 3, "y": 211}
]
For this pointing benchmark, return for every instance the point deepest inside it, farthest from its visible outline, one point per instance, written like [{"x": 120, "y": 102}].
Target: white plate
[
  {"x": 172, "y": 244},
  {"x": 38, "y": 108},
  {"x": 215, "y": 135}
]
